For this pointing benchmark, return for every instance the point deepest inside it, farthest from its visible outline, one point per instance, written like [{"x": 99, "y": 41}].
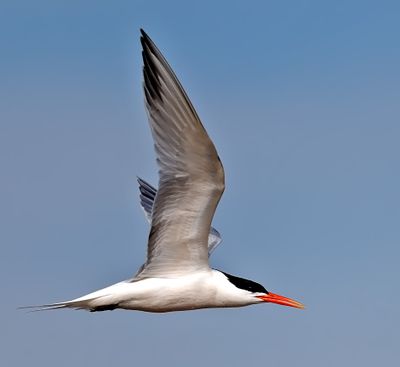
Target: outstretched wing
[
  {"x": 147, "y": 196},
  {"x": 191, "y": 176}
]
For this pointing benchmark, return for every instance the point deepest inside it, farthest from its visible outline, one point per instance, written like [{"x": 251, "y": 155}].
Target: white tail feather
[{"x": 78, "y": 305}]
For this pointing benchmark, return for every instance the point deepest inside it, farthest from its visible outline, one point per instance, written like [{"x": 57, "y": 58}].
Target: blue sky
[{"x": 302, "y": 101}]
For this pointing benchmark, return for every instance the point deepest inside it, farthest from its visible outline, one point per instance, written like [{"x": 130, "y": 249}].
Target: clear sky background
[{"x": 302, "y": 101}]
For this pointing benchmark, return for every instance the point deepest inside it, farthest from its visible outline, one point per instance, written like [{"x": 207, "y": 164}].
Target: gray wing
[
  {"x": 147, "y": 196},
  {"x": 191, "y": 176}
]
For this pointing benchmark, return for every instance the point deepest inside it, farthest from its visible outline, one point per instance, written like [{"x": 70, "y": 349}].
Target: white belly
[
  {"x": 200, "y": 290},
  {"x": 164, "y": 295}
]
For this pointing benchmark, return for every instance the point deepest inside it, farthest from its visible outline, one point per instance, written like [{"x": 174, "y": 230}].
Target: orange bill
[{"x": 280, "y": 300}]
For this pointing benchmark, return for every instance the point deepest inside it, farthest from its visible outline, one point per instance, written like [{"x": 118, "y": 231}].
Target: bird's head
[{"x": 260, "y": 294}]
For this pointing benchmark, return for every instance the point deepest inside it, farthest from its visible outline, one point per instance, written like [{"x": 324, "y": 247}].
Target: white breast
[{"x": 198, "y": 290}]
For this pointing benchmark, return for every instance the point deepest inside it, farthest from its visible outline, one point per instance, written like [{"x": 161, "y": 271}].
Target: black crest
[{"x": 245, "y": 284}]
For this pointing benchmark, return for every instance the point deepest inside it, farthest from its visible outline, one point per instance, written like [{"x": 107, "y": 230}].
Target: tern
[{"x": 176, "y": 275}]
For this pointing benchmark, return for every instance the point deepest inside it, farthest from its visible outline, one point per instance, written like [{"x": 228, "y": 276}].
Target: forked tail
[{"x": 86, "y": 304}]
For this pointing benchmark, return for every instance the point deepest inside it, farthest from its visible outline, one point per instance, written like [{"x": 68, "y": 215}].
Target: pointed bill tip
[{"x": 281, "y": 300}]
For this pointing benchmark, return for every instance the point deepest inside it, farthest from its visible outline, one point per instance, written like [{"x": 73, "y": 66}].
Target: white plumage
[{"x": 176, "y": 275}]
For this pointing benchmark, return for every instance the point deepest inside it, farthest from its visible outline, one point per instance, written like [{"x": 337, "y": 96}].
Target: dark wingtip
[
  {"x": 147, "y": 43},
  {"x": 144, "y": 37},
  {"x": 146, "y": 189}
]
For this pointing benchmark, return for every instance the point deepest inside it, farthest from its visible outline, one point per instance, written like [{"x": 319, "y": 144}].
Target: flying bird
[{"x": 176, "y": 275}]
